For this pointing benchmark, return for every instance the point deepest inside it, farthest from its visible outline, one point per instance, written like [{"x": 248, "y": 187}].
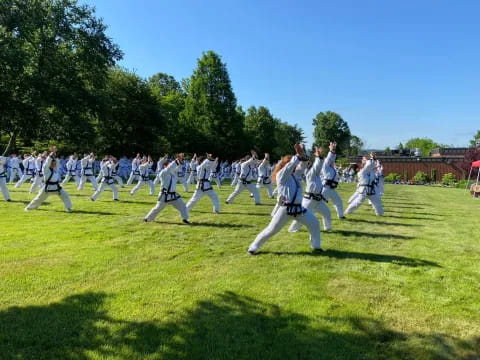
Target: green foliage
[
  {"x": 260, "y": 127},
  {"x": 356, "y": 146},
  {"x": 330, "y": 126},
  {"x": 392, "y": 177},
  {"x": 476, "y": 137},
  {"x": 286, "y": 136},
  {"x": 210, "y": 114},
  {"x": 54, "y": 57},
  {"x": 424, "y": 144},
  {"x": 449, "y": 179},
  {"x": 421, "y": 178},
  {"x": 131, "y": 121}
]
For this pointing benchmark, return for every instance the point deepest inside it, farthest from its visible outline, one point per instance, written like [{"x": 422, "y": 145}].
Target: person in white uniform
[
  {"x": 52, "y": 184},
  {"x": 168, "y": 194},
  {"x": 330, "y": 181},
  {"x": 3, "y": 178},
  {"x": 204, "y": 187},
  {"x": 380, "y": 178},
  {"x": 38, "y": 178},
  {"x": 71, "y": 170},
  {"x": 135, "y": 173},
  {"x": 29, "y": 167},
  {"x": 313, "y": 199},
  {"x": 290, "y": 203},
  {"x": 87, "y": 172},
  {"x": 192, "y": 178},
  {"x": 366, "y": 188},
  {"x": 144, "y": 168},
  {"x": 108, "y": 166},
  {"x": 265, "y": 175},
  {"x": 15, "y": 170},
  {"x": 160, "y": 163},
  {"x": 245, "y": 180}
]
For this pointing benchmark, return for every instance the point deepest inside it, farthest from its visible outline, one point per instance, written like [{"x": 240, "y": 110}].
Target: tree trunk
[{"x": 12, "y": 141}]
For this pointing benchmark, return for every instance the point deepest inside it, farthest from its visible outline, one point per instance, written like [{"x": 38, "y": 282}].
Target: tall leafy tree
[
  {"x": 473, "y": 142},
  {"x": 210, "y": 110},
  {"x": 356, "y": 146},
  {"x": 426, "y": 145},
  {"x": 54, "y": 59},
  {"x": 260, "y": 128},
  {"x": 330, "y": 126},
  {"x": 131, "y": 121},
  {"x": 286, "y": 136}
]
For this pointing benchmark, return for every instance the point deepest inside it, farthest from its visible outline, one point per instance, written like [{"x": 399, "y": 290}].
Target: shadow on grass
[
  {"x": 338, "y": 254},
  {"x": 80, "y": 212},
  {"x": 228, "y": 326},
  {"x": 388, "y": 215},
  {"x": 232, "y": 213},
  {"x": 348, "y": 233},
  {"x": 206, "y": 224},
  {"x": 382, "y": 223}
]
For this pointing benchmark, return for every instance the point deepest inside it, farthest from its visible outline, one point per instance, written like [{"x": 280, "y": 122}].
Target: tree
[
  {"x": 473, "y": 142},
  {"x": 210, "y": 113},
  {"x": 400, "y": 147},
  {"x": 54, "y": 59},
  {"x": 286, "y": 136},
  {"x": 260, "y": 128},
  {"x": 424, "y": 144},
  {"x": 330, "y": 126},
  {"x": 131, "y": 121},
  {"x": 356, "y": 146}
]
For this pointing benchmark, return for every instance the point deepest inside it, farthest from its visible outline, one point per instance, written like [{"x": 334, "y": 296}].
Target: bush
[
  {"x": 392, "y": 177},
  {"x": 449, "y": 179},
  {"x": 463, "y": 183},
  {"x": 421, "y": 178}
]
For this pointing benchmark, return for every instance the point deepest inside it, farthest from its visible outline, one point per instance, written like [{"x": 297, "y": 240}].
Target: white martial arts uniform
[
  {"x": 313, "y": 199},
  {"x": 330, "y": 182},
  {"x": 215, "y": 176},
  {"x": 160, "y": 163},
  {"x": 52, "y": 185},
  {"x": 38, "y": 178},
  {"x": 380, "y": 180},
  {"x": 366, "y": 187},
  {"x": 135, "y": 173},
  {"x": 265, "y": 177},
  {"x": 29, "y": 167},
  {"x": 107, "y": 180},
  {"x": 3, "y": 178},
  {"x": 87, "y": 172},
  {"x": 290, "y": 208},
  {"x": 115, "y": 176},
  {"x": 15, "y": 170},
  {"x": 182, "y": 176},
  {"x": 192, "y": 178},
  {"x": 168, "y": 194},
  {"x": 71, "y": 171},
  {"x": 245, "y": 181},
  {"x": 236, "y": 169},
  {"x": 204, "y": 186},
  {"x": 144, "y": 178}
]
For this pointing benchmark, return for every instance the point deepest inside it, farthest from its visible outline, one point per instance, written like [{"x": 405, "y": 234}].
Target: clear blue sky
[{"x": 392, "y": 69}]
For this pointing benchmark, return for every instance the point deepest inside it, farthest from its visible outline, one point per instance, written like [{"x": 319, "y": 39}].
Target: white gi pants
[
  {"x": 67, "y": 179},
  {"x": 43, "y": 195},
  {"x": 102, "y": 187},
  {"x": 183, "y": 181},
  {"x": 24, "y": 178},
  {"x": 177, "y": 204},
  {"x": 278, "y": 222},
  {"x": 235, "y": 179},
  {"x": 332, "y": 195},
  {"x": 241, "y": 187},
  {"x": 269, "y": 187},
  {"x": 14, "y": 172},
  {"x": 37, "y": 182},
  {"x": 192, "y": 178},
  {"x": 314, "y": 206},
  {"x": 83, "y": 181},
  {"x": 217, "y": 181},
  {"x": 132, "y": 177},
  {"x": 380, "y": 185},
  {"x": 141, "y": 183},
  {"x": 359, "y": 197},
  {"x": 198, "y": 194},
  {"x": 119, "y": 180},
  {"x": 3, "y": 186}
]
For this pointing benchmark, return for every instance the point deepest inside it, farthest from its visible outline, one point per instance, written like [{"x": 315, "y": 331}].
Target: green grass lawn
[{"x": 100, "y": 284}]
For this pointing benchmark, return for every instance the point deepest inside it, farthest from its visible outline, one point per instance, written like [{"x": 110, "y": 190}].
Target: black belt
[
  {"x": 332, "y": 183},
  {"x": 294, "y": 209},
  {"x": 245, "y": 182},
  {"x": 318, "y": 197},
  {"x": 169, "y": 196},
  {"x": 202, "y": 185},
  {"x": 266, "y": 180},
  {"x": 50, "y": 183}
]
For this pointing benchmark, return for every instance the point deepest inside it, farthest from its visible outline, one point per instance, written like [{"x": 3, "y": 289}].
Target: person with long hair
[
  {"x": 245, "y": 179},
  {"x": 168, "y": 195},
  {"x": 290, "y": 202},
  {"x": 313, "y": 199},
  {"x": 330, "y": 181},
  {"x": 204, "y": 186},
  {"x": 51, "y": 184},
  {"x": 366, "y": 188}
]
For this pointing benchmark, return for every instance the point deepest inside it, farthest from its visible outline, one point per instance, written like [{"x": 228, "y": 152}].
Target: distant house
[{"x": 406, "y": 164}]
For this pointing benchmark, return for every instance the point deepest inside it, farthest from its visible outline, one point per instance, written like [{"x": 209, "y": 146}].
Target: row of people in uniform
[{"x": 320, "y": 176}]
